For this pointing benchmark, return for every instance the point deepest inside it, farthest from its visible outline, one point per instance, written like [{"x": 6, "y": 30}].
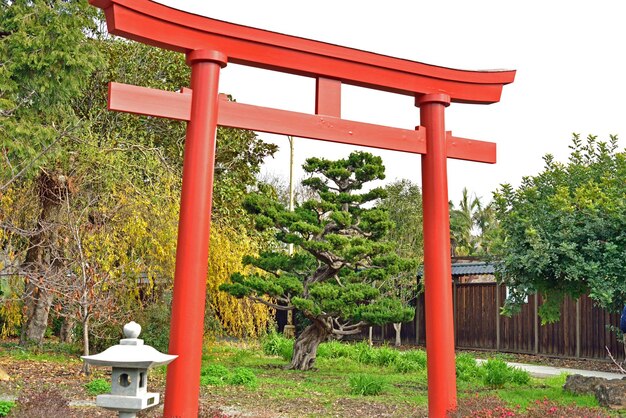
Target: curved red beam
[{"x": 165, "y": 27}]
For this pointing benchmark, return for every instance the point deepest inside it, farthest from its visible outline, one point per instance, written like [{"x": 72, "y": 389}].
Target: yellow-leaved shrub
[{"x": 238, "y": 317}]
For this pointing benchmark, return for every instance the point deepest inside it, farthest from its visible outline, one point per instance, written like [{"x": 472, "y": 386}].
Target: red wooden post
[
  {"x": 187, "y": 324},
  {"x": 437, "y": 269}
]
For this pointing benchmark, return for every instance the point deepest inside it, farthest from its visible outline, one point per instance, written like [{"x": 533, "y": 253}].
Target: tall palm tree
[{"x": 462, "y": 239}]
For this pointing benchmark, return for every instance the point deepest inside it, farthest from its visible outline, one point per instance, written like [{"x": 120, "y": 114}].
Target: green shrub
[
  {"x": 519, "y": 376},
  {"x": 497, "y": 373},
  {"x": 467, "y": 369},
  {"x": 274, "y": 344},
  {"x": 98, "y": 387},
  {"x": 5, "y": 407},
  {"x": 416, "y": 356},
  {"x": 366, "y": 385},
  {"x": 215, "y": 370},
  {"x": 386, "y": 356},
  {"x": 211, "y": 381},
  {"x": 363, "y": 353},
  {"x": 335, "y": 349},
  {"x": 242, "y": 376},
  {"x": 405, "y": 365},
  {"x": 155, "y": 325}
]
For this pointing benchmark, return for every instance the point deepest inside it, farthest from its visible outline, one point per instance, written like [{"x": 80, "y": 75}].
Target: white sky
[{"x": 569, "y": 57}]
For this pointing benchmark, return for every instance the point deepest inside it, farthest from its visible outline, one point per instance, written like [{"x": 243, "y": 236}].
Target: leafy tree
[
  {"x": 565, "y": 229},
  {"x": 332, "y": 278},
  {"x": 46, "y": 61},
  {"x": 403, "y": 203},
  {"x": 89, "y": 198}
]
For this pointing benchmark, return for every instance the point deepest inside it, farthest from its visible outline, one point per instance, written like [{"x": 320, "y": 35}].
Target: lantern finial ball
[{"x": 132, "y": 330}]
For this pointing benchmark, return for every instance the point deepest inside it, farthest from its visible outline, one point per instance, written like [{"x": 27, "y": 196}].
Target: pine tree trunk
[
  {"x": 305, "y": 347},
  {"x": 398, "y": 328}
]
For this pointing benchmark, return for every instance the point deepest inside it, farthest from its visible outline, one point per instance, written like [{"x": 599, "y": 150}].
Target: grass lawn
[
  {"x": 350, "y": 380},
  {"x": 397, "y": 382}
]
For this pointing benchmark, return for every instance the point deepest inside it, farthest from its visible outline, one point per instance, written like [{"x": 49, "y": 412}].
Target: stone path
[{"x": 548, "y": 371}]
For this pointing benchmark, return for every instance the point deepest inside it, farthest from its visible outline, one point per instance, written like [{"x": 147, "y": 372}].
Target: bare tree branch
[
  {"x": 620, "y": 367},
  {"x": 271, "y": 305}
]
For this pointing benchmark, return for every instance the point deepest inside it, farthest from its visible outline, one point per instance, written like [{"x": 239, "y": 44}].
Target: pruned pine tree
[{"x": 341, "y": 260}]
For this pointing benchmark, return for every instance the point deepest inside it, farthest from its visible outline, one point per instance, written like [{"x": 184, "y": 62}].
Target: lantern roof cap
[{"x": 130, "y": 352}]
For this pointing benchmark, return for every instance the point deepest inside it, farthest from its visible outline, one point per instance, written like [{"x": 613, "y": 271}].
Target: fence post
[
  {"x": 536, "y": 318},
  {"x": 578, "y": 324},
  {"x": 455, "y": 308},
  {"x": 497, "y": 316}
]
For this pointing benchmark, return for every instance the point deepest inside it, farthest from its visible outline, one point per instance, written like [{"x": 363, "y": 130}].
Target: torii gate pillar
[
  {"x": 438, "y": 298},
  {"x": 187, "y": 329}
]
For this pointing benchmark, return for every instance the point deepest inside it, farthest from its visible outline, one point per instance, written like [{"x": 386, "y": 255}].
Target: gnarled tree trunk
[{"x": 305, "y": 347}]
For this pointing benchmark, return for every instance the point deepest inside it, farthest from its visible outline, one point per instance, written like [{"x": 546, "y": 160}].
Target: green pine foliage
[{"x": 342, "y": 260}]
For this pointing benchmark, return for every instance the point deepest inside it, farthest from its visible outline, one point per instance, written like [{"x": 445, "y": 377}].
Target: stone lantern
[{"x": 130, "y": 360}]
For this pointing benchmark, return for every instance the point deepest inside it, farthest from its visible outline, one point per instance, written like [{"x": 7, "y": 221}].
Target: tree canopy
[
  {"x": 89, "y": 198},
  {"x": 342, "y": 260},
  {"x": 565, "y": 229}
]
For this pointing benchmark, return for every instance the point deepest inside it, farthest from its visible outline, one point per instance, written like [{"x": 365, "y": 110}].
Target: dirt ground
[
  {"x": 45, "y": 385},
  {"x": 42, "y": 384}
]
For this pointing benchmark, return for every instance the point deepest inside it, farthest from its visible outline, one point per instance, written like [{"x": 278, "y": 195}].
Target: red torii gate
[{"x": 209, "y": 44}]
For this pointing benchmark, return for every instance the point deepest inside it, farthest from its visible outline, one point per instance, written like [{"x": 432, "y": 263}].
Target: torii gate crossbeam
[{"x": 209, "y": 44}]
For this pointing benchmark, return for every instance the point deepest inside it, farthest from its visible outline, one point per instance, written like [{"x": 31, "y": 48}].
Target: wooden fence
[{"x": 583, "y": 331}]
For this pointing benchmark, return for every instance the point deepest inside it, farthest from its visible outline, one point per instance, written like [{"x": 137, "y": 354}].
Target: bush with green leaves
[
  {"x": 218, "y": 375},
  {"x": 564, "y": 230},
  {"x": 275, "y": 344},
  {"x": 6, "y": 407},
  {"x": 410, "y": 361},
  {"x": 405, "y": 365},
  {"x": 334, "y": 349},
  {"x": 386, "y": 356},
  {"x": 214, "y": 375},
  {"x": 467, "y": 369},
  {"x": 497, "y": 373},
  {"x": 519, "y": 376},
  {"x": 363, "y": 353},
  {"x": 366, "y": 385},
  {"x": 242, "y": 376},
  {"x": 98, "y": 387},
  {"x": 415, "y": 356}
]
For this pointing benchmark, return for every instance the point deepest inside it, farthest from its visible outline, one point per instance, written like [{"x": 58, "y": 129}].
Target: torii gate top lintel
[{"x": 165, "y": 27}]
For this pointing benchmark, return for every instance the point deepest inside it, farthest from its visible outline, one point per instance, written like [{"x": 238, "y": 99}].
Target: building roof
[
  {"x": 468, "y": 269},
  {"x": 472, "y": 269}
]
